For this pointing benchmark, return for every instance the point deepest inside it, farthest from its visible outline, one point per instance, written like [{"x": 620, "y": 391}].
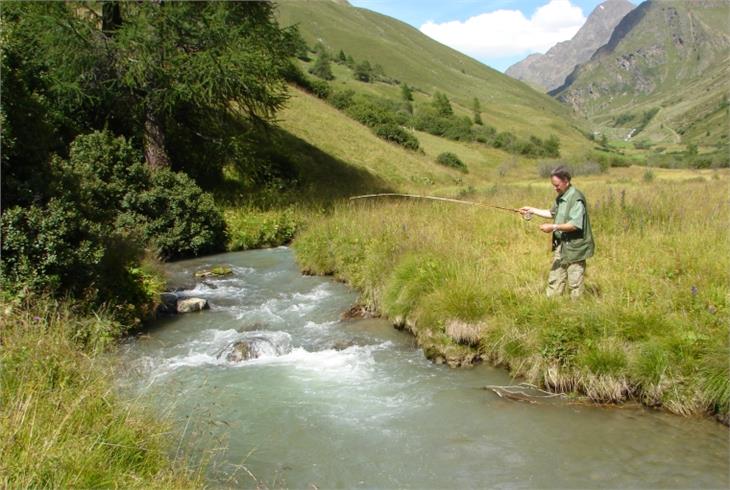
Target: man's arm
[{"x": 543, "y": 213}]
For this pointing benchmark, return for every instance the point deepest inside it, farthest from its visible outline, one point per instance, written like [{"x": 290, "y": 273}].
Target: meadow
[{"x": 469, "y": 283}]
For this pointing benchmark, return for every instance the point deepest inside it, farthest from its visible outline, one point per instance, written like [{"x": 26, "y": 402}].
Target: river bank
[{"x": 469, "y": 284}]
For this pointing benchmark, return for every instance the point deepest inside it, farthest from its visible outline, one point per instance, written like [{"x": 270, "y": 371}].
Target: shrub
[
  {"x": 396, "y": 134},
  {"x": 449, "y": 159},
  {"x": 429, "y": 120},
  {"x": 341, "y": 99},
  {"x": 320, "y": 88},
  {"x": 55, "y": 249},
  {"x": 175, "y": 216}
]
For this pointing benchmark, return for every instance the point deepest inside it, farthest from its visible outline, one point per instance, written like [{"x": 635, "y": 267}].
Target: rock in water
[
  {"x": 215, "y": 272},
  {"x": 192, "y": 304},
  {"x": 240, "y": 351},
  {"x": 257, "y": 344}
]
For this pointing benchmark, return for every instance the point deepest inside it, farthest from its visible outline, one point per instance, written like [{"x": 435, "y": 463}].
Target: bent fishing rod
[{"x": 526, "y": 216}]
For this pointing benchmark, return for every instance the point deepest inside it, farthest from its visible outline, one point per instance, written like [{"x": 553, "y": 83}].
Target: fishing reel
[{"x": 527, "y": 216}]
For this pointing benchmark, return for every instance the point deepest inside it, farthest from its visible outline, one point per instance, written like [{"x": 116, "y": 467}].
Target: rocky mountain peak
[{"x": 550, "y": 70}]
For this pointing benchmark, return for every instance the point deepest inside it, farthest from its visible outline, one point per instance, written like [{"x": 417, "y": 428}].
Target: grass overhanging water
[{"x": 469, "y": 283}]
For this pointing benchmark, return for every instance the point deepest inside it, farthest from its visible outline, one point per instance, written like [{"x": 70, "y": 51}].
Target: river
[{"x": 354, "y": 403}]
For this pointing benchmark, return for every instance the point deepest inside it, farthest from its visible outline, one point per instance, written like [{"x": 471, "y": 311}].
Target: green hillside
[
  {"x": 665, "y": 70},
  {"x": 409, "y": 56}
]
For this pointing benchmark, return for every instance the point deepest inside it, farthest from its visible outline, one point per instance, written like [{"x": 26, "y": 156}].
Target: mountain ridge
[
  {"x": 665, "y": 60},
  {"x": 550, "y": 70}
]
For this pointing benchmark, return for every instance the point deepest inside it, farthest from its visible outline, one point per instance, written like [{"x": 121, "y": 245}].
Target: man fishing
[{"x": 572, "y": 240}]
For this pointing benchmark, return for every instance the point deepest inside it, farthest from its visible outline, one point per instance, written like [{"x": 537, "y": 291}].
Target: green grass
[
  {"x": 409, "y": 56},
  {"x": 63, "y": 423},
  {"x": 652, "y": 327}
]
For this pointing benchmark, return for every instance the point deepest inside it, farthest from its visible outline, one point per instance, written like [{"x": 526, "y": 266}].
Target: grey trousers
[{"x": 559, "y": 275}]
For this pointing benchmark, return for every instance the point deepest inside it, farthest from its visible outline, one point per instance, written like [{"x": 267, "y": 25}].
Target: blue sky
[{"x": 496, "y": 32}]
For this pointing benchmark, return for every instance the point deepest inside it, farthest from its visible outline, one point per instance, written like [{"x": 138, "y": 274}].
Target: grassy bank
[
  {"x": 63, "y": 424},
  {"x": 469, "y": 282}
]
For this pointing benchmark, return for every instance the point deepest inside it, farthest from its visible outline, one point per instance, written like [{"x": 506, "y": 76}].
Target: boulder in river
[
  {"x": 257, "y": 344},
  {"x": 240, "y": 351},
  {"x": 217, "y": 271},
  {"x": 358, "y": 311},
  {"x": 189, "y": 305}
]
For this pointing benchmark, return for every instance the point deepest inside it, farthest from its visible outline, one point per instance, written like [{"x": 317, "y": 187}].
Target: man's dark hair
[{"x": 561, "y": 172}]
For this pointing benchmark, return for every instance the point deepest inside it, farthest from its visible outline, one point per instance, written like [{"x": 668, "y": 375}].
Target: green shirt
[
  {"x": 571, "y": 208},
  {"x": 562, "y": 214}
]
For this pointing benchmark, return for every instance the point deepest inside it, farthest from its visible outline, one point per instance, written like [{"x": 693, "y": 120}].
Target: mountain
[
  {"x": 664, "y": 72},
  {"x": 409, "y": 56},
  {"x": 548, "y": 71}
]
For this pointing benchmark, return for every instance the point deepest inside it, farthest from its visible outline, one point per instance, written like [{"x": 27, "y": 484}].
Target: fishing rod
[{"x": 526, "y": 216}]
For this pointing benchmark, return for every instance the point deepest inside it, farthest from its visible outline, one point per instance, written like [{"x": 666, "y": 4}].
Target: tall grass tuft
[{"x": 63, "y": 424}]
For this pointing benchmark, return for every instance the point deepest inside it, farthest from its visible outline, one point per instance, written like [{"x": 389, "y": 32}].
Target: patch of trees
[
  {"x": 385, "y": 117},
  {"x": 438, "y": 118},
  {"x": 114, "y": 114}
]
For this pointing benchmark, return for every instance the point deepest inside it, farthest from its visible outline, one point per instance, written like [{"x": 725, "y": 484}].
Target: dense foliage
[
  {"x": 449, "y": 159},
  {"x": 113, "y": 113},
  {"x": 105, "y": 207}
]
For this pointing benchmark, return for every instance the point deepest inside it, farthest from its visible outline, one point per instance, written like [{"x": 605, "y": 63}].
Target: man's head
[{"x": 560, "y": 178}]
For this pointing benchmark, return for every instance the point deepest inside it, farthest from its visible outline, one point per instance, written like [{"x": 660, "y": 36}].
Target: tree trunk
[
  {"x": 111, "y": 16},
  {"x": 155, "y": 153}
]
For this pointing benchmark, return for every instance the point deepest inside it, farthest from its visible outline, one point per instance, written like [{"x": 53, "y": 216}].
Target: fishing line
[{"x": 526, "y": 216}]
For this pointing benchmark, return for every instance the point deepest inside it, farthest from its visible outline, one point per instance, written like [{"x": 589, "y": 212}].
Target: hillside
[
  {"x": 411, "y": 57},
  {"x": 662, "y": 76},
  {"x": 548, "y": 71}
]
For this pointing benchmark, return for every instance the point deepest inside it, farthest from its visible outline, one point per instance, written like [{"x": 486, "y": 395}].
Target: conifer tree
[
  {"x": 406, "y": 92},
  {"x": 322, "y": 68},
  {"x": 442, "y": 105},
  {"x": 363, "y": 71}
]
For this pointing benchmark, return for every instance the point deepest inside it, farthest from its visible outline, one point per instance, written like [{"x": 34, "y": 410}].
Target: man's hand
[
  {"x": 547, "y": 228},
  {"x": 526, "y": 209}
]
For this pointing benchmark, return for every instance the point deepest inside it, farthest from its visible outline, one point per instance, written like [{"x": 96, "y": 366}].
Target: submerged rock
[
  {"x": 240, "y": 351},
  {"x": 358, "y": 311},
  {"x": 343, "y": 344},
  {"x": 257, "y": 344},
  {"x": 192, "y": 304},
  {"x": 217, "y": 271}
]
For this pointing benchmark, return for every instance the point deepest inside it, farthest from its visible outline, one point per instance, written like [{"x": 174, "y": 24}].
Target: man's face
[{"x": 559, "y": 184}]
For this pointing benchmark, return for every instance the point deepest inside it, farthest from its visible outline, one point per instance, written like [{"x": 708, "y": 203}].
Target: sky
[{"x": 498, "y": 33}]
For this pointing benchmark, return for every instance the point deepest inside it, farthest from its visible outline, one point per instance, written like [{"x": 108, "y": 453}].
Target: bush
[
  {"x": 427, "y": 119},
  {"x": 449, "y": 159},
  {"x": 368, "y": 114},
  {"x": 396, "y": 134},
  {"x": 319, "y": 88},
  {"x": 89, "y": 237},
  {"x": 175, "y": 216},
  {"x": 341, "y": 99}
]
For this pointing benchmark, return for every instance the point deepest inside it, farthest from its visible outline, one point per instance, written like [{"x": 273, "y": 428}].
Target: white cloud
[{"x": 508, "y": 32}]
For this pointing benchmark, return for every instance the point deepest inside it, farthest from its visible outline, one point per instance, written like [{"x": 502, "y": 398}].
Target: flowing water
[{"x": 348, "y": 404}]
